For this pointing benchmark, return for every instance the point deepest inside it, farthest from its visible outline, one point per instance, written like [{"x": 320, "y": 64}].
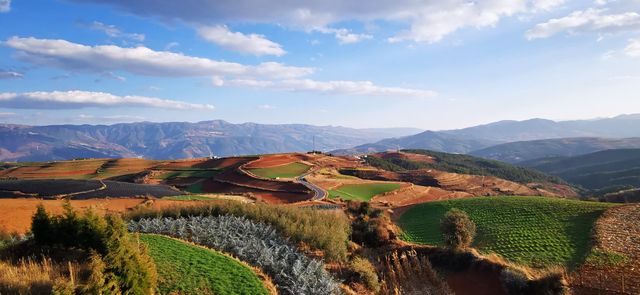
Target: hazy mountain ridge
[
  {"x": 175, "y": 139},
  {"x": 603, "y": 171},
  {"x": 468, "y": 140},
  {"x": 515, "y": 152}
]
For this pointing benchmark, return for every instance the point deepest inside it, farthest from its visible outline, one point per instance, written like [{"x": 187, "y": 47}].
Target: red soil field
[
  {"x": 276, "y": 160},
  {"x": 271, "y": 197},
  {"x": 224, "y": 162},
  {"x": 234, "y": 176},
  {"x": 15, "y": 214}
]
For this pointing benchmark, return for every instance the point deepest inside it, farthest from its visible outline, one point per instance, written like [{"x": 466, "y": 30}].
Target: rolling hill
[
  {"x": 515, "y": 152},
  {"x": 475, "y": 138},
  {"x": 600, "y": 172},
  {"x": 176, "y": 140},
  {"x": 430, "y": 140}
]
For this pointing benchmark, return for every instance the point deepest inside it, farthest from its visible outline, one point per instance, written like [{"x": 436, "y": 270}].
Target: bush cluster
[
  {"x": 256, "y": 243},
  {"x": 368, "y": 225},
  {"x": 367, "y": 273},
  {"x": 119, "y": 263},
  {"x": 326, "y": 231},
  {"x": 458, "y": 230}
]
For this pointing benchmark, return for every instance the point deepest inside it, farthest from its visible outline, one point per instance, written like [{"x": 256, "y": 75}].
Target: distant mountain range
[
  {"x": 601, "y": 172},
  {"x": 176, "y": 140},
  {"x": 520, "y": 151},
  {"x": 472, "y": 139},
  {"x": 220, "y": 138}
]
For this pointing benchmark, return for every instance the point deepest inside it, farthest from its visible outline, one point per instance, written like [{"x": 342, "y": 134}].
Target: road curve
[{"x": 318, "y": 192}]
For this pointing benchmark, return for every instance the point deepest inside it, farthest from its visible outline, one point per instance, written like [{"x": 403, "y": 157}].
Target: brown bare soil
[
  {"x": 617, "y": 230},
  {"x": 407, "y": 156},
  {"x": 118, "y": 167},
  {"x": 416, "y": 194},
  {"x": 267, "y": 161},
  {"x": 63, "y": 169}
]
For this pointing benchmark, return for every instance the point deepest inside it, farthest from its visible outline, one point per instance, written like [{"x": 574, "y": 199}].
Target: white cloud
[
  {"x": 587, "y": 21},
  {"x": 426, "y": 21},
  {"x": 237, "y": 41},
  {"x": 113, "y": 31},
  {"x": 139, "y": 60},
  {"x": 83, "y": 99},
  {"x": 362, "y": 88},
  {"x": 266, "y": 107},
  {"x": 10, "y": 75},
  {"x": 5, "y": 5},
  {"x": 633, "y": 49},
  {"x": 343, "y": 35},
  {"x": 82, "y": 118}
]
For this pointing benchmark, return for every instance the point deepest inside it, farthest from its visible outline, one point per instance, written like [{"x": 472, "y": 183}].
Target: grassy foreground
[
  {"x": 536, "y": 231},
  {"x": 187, "y": 269},
  {"x": 283, "y": 171},
  {"x": 362, "y": 192}
]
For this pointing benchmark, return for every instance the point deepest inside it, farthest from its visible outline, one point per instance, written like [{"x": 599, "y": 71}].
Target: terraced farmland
[
  {"x": 188, "y": 269},
  {"x": 362, "y": 192},
  {"x": 536, "y": 231},
  {"x": 291, "y": 170}
]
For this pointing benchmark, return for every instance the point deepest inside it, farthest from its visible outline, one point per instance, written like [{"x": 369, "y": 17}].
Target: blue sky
[{"x": 431, "y": 65}]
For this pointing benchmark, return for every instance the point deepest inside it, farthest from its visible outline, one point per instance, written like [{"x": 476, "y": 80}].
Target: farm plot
[
  {"x": 188, "y": 269},
  {"x": 291, "y": 170},
  {"x": 76, "y": 169},
  {"x": 44, "y": 188},
  {"x": 536, "y": 231},
  {"x": 256, "y": 243},
  {"x": 271, "y": 197},
  {"x": 117, "y": 189},
  {"x": 363, "y": 192},
  {"x": 120, "y": 167}
]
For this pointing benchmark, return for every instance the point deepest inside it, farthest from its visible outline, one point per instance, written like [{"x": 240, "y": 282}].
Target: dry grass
[{"x": 30, "y": 276}]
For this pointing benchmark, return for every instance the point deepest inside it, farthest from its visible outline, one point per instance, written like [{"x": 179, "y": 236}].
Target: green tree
[
  {"x": 458, "y": 230},
  {"x": 41, "y": 226}
]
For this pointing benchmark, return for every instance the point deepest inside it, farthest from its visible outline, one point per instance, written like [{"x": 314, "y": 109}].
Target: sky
[{"x": 432, "y": 64}]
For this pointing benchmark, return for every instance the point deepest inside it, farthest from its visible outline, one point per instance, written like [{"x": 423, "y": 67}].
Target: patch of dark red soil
[
  {"x": 276, "y": 160},
  {"x": 419, "y": 177},
  {"x": 476, "y": 282},
  {"x": 182, "y": 181},
  {"x": 272, "y": 197},
  {"x": 234, "y": 176},
  {"x": 224, "y": 162}
]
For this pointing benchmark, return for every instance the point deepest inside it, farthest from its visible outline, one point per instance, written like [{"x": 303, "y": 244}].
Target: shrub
[
  {"x": 256, "y": 243},
  {"x": 124, "y": 264},
  {"x": 458, "y": 230},
  {"x": 326, "y": 231},
  {"x": 367, "y": 273}
]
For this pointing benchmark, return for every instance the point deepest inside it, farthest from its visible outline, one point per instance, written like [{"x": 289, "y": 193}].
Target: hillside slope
[
  {"x": 515, "y": 152},
  {"x": 430, "y": 140},
  {"x": 604, "y": 171}
]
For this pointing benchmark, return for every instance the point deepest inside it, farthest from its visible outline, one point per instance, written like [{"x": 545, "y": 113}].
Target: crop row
[{"x": 256, "y": 243}]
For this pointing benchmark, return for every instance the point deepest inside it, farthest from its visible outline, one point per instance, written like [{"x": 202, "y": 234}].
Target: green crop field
[
  {"x": 362, "y": 192},
  {"x": 187, "y": 269},
  {"x": 283, "y": 171},
  {"x": 536, "y": 231}
]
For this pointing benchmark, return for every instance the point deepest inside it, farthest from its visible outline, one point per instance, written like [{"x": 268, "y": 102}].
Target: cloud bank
[
  {"x": 84, "y": 99},
  {"x": 139, "y": 60},
  {"x": 236, "y": 41},
  {"x": 360, "y": 88},
  {"x": 587, "y": 21},
  {"x": 425, "y": 21}
]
